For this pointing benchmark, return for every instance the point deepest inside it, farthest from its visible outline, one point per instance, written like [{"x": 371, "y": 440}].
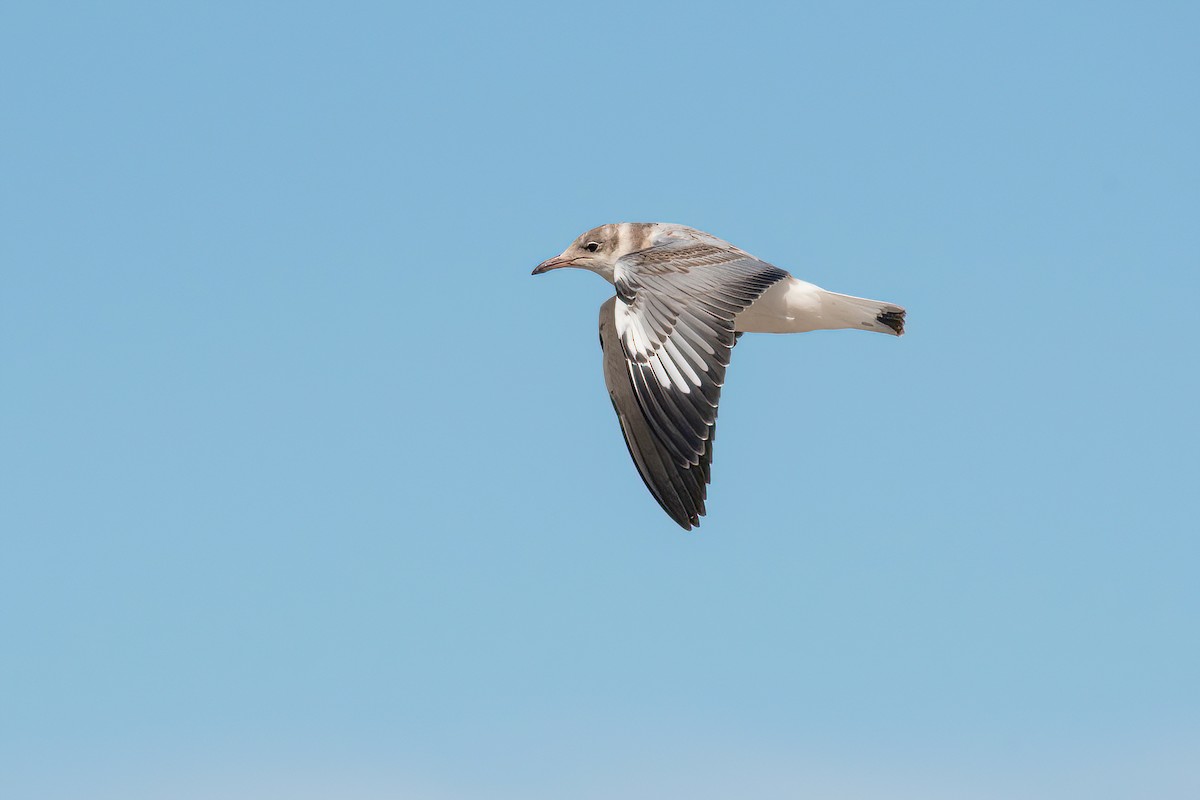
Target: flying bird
[{"x": 683, "y": 299}]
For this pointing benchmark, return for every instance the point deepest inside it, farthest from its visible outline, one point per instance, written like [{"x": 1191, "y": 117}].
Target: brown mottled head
[{"x": 599, "y": 249}]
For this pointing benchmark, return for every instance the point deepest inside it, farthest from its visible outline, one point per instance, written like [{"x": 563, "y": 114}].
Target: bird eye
[{"x": 592, "y": 246}]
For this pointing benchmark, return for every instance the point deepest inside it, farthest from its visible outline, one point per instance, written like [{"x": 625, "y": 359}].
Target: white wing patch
[
  {"x": 665, "y": 359},
  {"x": 673, "y": 319}
]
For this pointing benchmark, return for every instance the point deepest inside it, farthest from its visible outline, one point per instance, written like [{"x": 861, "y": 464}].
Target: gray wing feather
[
  {"x": 679, "y": 490},
  {"x": 667, "y": 338}
]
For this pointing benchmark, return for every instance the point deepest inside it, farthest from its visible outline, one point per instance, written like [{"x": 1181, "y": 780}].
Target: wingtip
[{"x": 689, "y": 522}]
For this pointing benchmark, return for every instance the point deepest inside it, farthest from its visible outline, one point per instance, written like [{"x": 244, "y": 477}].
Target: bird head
[{"x": 596, "y": 250}]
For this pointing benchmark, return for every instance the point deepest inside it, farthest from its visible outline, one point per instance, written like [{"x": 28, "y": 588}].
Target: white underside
[{"x": 796, "y": 306}]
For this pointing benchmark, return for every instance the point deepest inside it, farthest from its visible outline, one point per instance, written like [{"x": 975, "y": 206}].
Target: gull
[{"x": 683, "y": 299}]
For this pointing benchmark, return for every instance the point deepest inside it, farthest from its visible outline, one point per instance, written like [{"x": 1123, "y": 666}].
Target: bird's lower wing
[
  {"x": 680, "y": 490},
  {"x": 672, "y": 333}
]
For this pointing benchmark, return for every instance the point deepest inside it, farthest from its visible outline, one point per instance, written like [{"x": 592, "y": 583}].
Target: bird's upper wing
[{"x": 667, "y": 337}]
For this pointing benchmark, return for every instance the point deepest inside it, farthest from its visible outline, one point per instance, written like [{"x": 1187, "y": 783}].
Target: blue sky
[{"x": 308, "y": 489}]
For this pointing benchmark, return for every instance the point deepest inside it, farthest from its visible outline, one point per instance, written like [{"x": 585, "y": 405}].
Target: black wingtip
[{"x": 687, "y": 514}]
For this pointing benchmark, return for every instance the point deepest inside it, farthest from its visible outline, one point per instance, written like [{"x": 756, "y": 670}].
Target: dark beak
[{"x": 554, "y": 263}]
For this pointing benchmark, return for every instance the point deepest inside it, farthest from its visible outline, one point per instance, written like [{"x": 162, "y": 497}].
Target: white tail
[
  {"x": 795, "y": 306},
  {"x": 859, "y": 312}
]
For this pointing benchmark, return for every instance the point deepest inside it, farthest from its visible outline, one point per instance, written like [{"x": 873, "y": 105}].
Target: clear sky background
[{"x": 308, "y": 489}]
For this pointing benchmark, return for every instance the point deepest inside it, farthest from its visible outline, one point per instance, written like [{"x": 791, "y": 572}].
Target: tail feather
[
  {"x": 796, "y": 306},
  {"x": 859, "y": 312}
]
